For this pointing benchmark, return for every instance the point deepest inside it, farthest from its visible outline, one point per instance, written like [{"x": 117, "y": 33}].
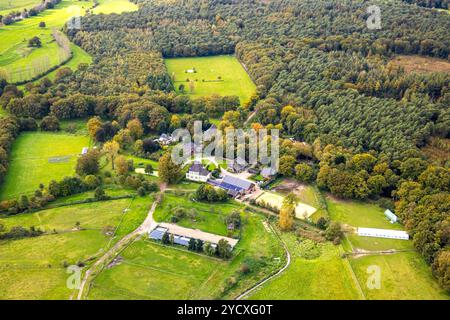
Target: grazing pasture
[
  {"x": 302, "y": 211},
  {"x": 39, "y": 157},
  {"x": 149, "y": 270},
  {"x": 34, "y": 268},
  {"x": 317, "y": 271},
  {"x": 22, "y": 62},
  {"x": 404, "y": 276},
  {"x": 7, "y": 6},
  {"x": 221, "y": 75},
  {"x": 114, "y": 6}
]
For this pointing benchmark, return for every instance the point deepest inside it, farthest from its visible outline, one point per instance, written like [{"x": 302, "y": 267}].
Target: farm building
[
  {"x": 198, "y": 173},
  {"x": 182, "y": 235},
  {"x": 268, "y": 172},
  {"x": 391, "y": 216},
  {"x": 383, "y": 233},
  {"x": 235, "y": 186},
  {"x": 164, "y": 139}
]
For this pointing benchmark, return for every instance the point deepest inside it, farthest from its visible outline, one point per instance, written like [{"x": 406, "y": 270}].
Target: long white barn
[{"x": 383, "y": 233}]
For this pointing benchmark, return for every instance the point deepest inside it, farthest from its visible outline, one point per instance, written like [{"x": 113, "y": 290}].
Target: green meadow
[
  {"x": 317, "y": 272},
  {"x": 39, "y": 158},
  {"x": 149, "y": 270},
  {"x": 33, "y": 268},
  {"x": 222, "y": 75},
  {"x": 404, "y": 274},
  {"x": 7, "y": 6},
  {"x": 21, "y": 63}
]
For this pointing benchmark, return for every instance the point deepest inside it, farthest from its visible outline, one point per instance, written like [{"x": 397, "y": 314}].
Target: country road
[{"x": 148, "y": 224}]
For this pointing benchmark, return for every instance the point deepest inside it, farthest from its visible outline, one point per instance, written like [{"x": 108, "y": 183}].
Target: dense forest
[{"x": 322, "y": 77}]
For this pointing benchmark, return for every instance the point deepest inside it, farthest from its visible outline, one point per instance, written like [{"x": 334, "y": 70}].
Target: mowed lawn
[
  {"x": 114, "y": 6},
  {"x": 34, "y": 160},
  {"x": 33, "y": 268},
  {"x": 234, "y": 80},
  {"x": 149, "y": 270}
]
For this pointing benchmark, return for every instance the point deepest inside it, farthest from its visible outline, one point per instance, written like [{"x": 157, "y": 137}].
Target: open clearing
[
  {"x": 7, "y": 6},
  {"x": 20, "y": 62},
  {"x": 404, "y": 275},
  {"x": 32, "y": 268},
  {"x": 316, "y": 272},
  {"x": 152, "y": 271},
  {"x": 421, "y": 64},
  {"x": 39, "y": 158},
  {"x": 114, "y": 6},
  {"x": 234, "y": 80},
  {"x": 302, "y": 211}
]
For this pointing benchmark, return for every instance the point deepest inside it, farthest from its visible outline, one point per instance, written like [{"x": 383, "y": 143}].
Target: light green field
[
  {"x": 7, "y": 6},
  {"x": 152, "y": 271},
  {"x": 14, "y": 51},
  {"x": 30, "y": 166},
  {"x": 19, "y": 61},
  {"x": 114, "y": 6},
  {"x": 235, "y": 80},
  {"x": 324, "y": 275},
  {"x": 404, "y": 276},
  {"x": 32, "y": 268},
  {"x": 359, "y": 214}
]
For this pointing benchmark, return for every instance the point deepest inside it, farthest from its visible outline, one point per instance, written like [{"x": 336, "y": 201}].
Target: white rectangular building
[{"x": 383, "y": 233}]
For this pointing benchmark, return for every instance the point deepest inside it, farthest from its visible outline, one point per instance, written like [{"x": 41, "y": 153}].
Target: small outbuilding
[
  {"x": 391, "y": 216},
  {"x": 383, "y": 233}
]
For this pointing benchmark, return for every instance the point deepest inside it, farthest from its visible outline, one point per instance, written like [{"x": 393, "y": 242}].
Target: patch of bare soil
[
  {"x": 420, "y": 64},
  {"x": 289, "y": 185}
]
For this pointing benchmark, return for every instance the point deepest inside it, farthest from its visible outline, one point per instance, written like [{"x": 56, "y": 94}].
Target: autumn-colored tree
[
  {"x": 93, "y": 125},
  {"x": 136, "y": 129},
  {"x": 111, "y": 149},
  {"x": 287, "y": 212},
  {"x": 169, "y": 171},
  {"x": 121, "y": 165}
]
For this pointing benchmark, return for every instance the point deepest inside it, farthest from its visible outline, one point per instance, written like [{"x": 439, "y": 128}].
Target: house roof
[
  {"x": 197, "y": 167},
  {"x": 231, "y": 182},
  {"x": 268, "y": 171}
]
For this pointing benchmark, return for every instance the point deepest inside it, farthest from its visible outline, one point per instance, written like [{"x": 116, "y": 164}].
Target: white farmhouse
[{"x": 198, "y": 173}]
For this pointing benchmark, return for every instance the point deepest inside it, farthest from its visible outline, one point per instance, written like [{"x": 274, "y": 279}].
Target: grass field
[
  {"x": 15, "y": 53},
  {"x": 7, "y": 6},
  {"x": 19, "y": 61},
  {"x": 234, "y": 79},
  {"x": 33, "y": 268},
  {"x": 30, "y": 161},
  {"x": 403, "y": 276},
  {"x": 316, "y": 272},
  {"x": 114, "y": 6},
  {"x": 206, "y": 217},
  {"x": 152, "y": 271}
]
